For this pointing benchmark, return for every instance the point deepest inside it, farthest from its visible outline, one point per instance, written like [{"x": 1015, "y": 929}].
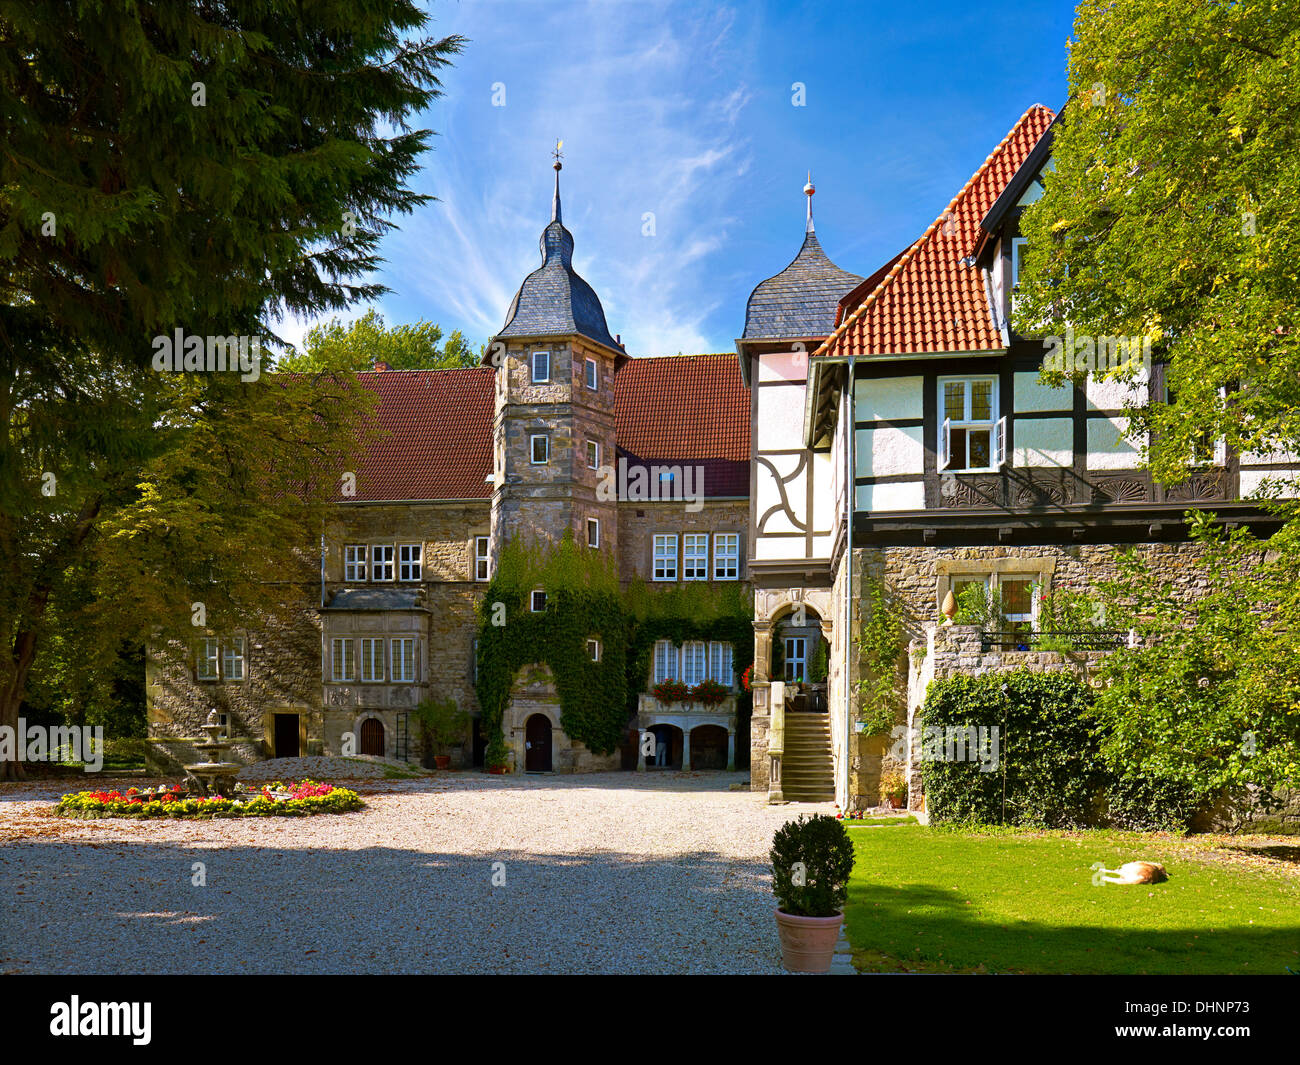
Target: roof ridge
[{"x": 924, "y": 238}]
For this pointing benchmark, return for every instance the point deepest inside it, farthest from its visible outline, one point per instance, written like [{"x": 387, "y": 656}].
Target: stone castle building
[{"x": 879, "y": 432}]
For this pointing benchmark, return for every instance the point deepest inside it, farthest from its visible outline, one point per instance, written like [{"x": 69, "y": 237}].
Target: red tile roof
[
  {"x": 437, "y": 440},
  {"x": 930, "y": 301},
  {"x": 436, "y": 426},
  {"x": 686, "y": 409}
]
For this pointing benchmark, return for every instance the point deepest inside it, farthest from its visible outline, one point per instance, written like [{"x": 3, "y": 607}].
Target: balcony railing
[{"x": 1074, "y": 640}]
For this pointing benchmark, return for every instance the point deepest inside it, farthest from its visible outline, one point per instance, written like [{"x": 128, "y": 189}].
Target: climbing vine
[
  {"x": 583, "y": 601},
  {"x": 882, "y": 642}
]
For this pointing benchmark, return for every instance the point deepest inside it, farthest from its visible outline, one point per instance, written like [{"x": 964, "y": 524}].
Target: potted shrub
[
  {"x": 811, "y": 862},
  {"x": 894, "y": 787},
  {"x": 444, "y": 725},
  {"x": 497, "y": 755}
]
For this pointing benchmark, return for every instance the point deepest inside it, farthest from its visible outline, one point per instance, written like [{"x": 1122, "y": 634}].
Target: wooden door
[
  {"x": 537, "y": 736},
  {"x": 286, "y": 736},
  {"x": 372, "y": 737}
]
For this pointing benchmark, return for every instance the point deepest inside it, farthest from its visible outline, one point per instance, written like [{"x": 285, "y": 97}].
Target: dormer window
[{"x": 541, "y": 367}]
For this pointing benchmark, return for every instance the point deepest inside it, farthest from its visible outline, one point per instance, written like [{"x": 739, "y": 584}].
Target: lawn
[{"x": 1016, "y": 901}]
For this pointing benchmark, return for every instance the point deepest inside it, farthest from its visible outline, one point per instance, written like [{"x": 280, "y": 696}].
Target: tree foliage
[
  {"x": 1173, "y": 212},
  {"x": 360, "y": 344}
]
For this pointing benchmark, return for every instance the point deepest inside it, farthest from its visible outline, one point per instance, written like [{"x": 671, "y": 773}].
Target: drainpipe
[{"x": 850, "y": 493}]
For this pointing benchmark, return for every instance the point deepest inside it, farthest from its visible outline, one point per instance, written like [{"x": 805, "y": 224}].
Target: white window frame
[
  {"x": 660, "y": 561},
  {"x": 368, "y": 660},
  {"x": 532, "y": 449},
  {"x": 398, "y": 648},
  {"x": 343, "y": 665},
  {"x": 356, "y": 562},
  {"x": 233, "y": 663},
  {"x": 722, "y": 664},
  {"x": 593, "y": 527},
  {"x": 995, "y": 426},
  {"x": 695, "y": 556},
  {"x": 533, "y": 608},
  {"x": 667, "y": 661},
  {"x": 533, "y": 365},
  {"x": 410, "y": 568},
  {"x": 791, "y": 659},
  {"x": 726, "y": 556},
  {"x": 591, "y": 374},
  {"x": 482, "y": 558},
  {"x": 1018, "y": 245},
  {"x": 695, "y": 662},
  {"x": 1032, "y": 580},
  {"x": 207, "y": 659},
  {"x": 381, "y": 562},
  {"x": 593, "y": 454},
  {"x": 593, "y": 650}
]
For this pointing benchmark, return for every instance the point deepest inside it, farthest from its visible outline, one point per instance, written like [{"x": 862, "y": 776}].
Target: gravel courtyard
[{"x": 603, "y": 873}]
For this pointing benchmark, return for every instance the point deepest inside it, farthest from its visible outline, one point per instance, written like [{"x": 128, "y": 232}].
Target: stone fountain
[{"x": 213, "y": 776}]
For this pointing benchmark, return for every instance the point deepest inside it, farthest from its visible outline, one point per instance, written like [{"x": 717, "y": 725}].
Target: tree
[
  {"x": 1173, "y": 212},
  {"x": 201, "y": 168},
  {"x": 368, "y": 340}
]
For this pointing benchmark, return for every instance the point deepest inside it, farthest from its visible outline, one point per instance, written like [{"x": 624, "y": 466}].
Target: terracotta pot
[
  {"x": 442, "y": 761},
  {"x": 498, "y": 769},
  {"x": 895, "y": 803},
  {"x": 808, "y": 943}
]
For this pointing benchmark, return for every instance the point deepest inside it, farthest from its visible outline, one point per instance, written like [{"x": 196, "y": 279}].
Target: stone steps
[{"x": 806, "y": 774}]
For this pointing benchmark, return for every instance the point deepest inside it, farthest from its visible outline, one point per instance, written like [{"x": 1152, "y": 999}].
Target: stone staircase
[{"x": 806, "y": 772}]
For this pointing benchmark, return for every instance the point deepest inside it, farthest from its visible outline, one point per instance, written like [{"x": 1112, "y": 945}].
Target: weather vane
[{"x": 558, "y": 154}]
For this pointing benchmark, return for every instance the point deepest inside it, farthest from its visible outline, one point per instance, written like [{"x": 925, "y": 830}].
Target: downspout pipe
[{"x": 850, "y": 492}]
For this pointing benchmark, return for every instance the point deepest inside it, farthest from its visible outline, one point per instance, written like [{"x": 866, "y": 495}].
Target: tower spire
[
  {"x": 555, "y": 204},
  {"x": 808, "y": 191}
]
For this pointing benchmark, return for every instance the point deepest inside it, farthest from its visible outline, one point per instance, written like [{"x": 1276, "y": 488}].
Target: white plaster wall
[
  {"x": 767, "y": 549},
  {"x": 1030, "y": 394},
  {"x": 823, "y": 500},
  {"x": 903, "y": 495},
  {"x": 888, "y": 398},
  {"x": 887, "y": 452},
  {"x": 783, "y": 366},
  {"x": 1107, "y": 448},
  {"x": 1112, "y": 394},
  {"x": 1043, "y": 442},
  {"x": 1252, "y": 482},
  {"x": 780, "y": 417}
]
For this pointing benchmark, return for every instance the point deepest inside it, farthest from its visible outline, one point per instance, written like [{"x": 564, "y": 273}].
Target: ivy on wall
[{"x": 584, "y": 601}]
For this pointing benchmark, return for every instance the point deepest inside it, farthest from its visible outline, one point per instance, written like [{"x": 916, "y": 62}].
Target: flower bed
[{"x": 278, "y": 799}]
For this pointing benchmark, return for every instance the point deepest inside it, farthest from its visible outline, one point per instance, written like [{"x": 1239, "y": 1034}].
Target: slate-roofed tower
[{"x": 553, "y": 425}]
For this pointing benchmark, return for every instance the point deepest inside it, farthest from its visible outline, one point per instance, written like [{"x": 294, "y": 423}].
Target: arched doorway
[
  {"x": 708, "y": 747},
  {"x": 537, "y": 744},
  {"x": 668, "y": 748},
  {"x": 372, "y": 736}
]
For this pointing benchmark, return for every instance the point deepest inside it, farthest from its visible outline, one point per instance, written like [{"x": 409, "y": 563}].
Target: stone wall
[{"x": 639, "y": 522}]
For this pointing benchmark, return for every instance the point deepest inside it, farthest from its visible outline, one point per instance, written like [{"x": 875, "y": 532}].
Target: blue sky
[{"x": 685, "y": 111}]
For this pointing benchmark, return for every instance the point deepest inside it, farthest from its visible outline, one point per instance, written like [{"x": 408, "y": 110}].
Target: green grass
[{"x": 1005, "y": 900}]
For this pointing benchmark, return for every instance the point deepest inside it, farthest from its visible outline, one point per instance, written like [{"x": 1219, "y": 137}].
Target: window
[
  {"x": 721, "y": 668},
  {"x": 372, "y": 660},
  {"x": 540, "y": 448},
  {"x": 971, "y": 437},
  {"x": 694, "y": 662},
  {"x": 381, "y": 562},
  {"x": 796, "y": 657},
  {"x": 481, "y": 571},
  {"x": 1018, "y": 246},
  {"x": 592, "y": 374},
  {"x": 695, "y": 557},
  {"x": 593, "y": 650},
  {"x": 1018, "y": 603},
  {"x": 403, "y": 650},
  {"x": 593, "y": 532},
  {"x": 342, "y": 666},
  {"x": 232, "y": 659},
  {"x": 354, "y": 562},
  {"x": 667, "y": 666},
  {"x": 726, "y": 556},
  {"x": 593, "y": 455},
  {"x": 541, "y": 367},
  {"x": 207, "y": 658},
  {"x": 665, "y": 557},
  {"x": 409, "y": 557},
  {"x": 538, "y": 601}
]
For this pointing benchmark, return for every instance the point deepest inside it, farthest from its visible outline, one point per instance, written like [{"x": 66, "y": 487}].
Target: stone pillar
[
  {"x": 731, "y": 750},
  {"x": 640, "y": 748},
  {"x": 686, "y": 748},
  {"x": 760, "y": 716},
  {"x": 776, "y": 742}
]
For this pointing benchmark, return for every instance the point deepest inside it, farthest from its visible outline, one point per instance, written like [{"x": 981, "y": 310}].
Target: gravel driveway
[{"x": 598, "y": 873}]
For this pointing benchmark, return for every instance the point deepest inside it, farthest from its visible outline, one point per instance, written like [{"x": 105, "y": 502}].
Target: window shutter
[
  {"x": 945, "y": 445},
  {"x": 1002, "y": 442}
]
